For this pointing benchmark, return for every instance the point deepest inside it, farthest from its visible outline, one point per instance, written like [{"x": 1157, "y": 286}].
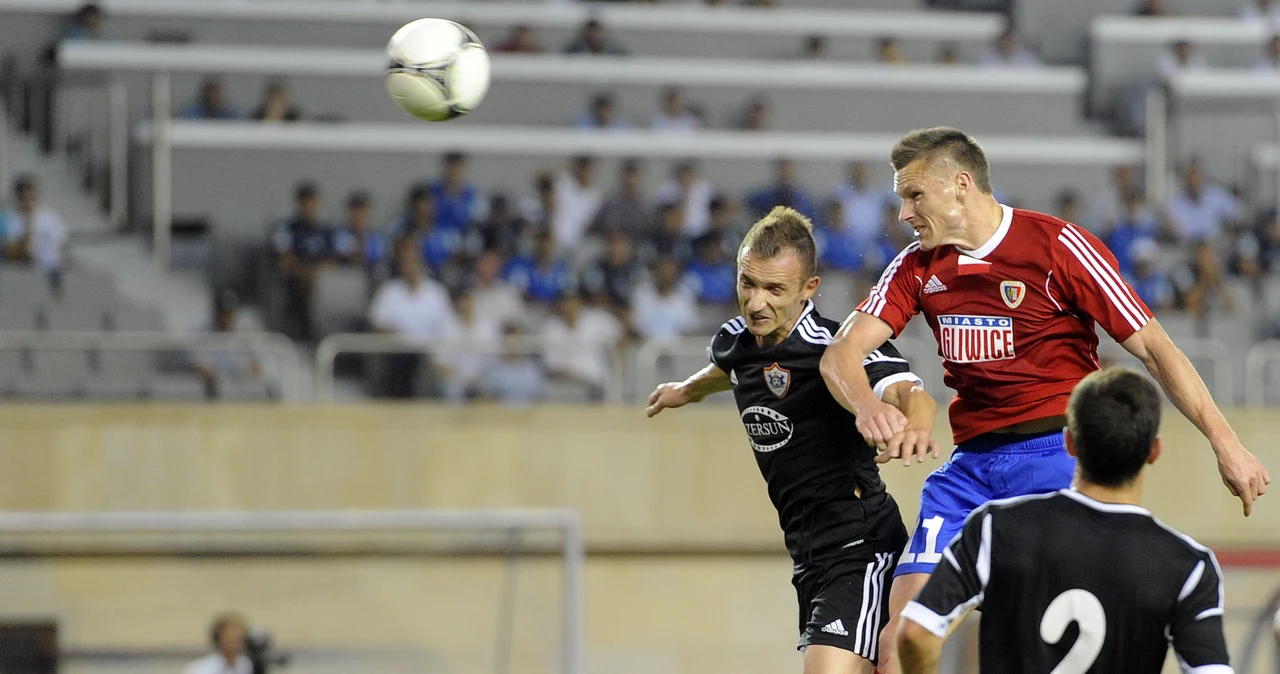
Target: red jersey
[{"x": 1014, "y": 319}]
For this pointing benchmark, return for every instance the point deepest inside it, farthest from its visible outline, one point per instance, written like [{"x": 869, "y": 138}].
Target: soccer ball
[{"x": 437, "y": 69}]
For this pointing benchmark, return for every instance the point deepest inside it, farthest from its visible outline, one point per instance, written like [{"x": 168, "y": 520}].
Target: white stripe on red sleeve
[
  {"x": 1136, "y": 319},
  {"x": 1110, "y": 274}
]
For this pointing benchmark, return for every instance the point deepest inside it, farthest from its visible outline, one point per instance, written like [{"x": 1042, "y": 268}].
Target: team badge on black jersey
[{"x": 778, "y": 379}]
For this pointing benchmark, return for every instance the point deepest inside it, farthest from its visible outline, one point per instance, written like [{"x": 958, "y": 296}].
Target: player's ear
[
  {"x": 1069, "y": 441},
  {"x": 1156, "y": 447},
  {"x": 810, "y": 287},
  {"x": 964, "y": 183}
]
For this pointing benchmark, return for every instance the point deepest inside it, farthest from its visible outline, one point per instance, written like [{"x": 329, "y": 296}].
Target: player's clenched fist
[
  {"x": 878, "y": 422},
  {"x": 670, "y": 394}
]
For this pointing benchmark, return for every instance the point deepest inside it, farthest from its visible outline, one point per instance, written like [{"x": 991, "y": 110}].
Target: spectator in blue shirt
[
  {"x": 357, "y": 244},
  {"x": 211, "y": 103},
  {"x": 711, "y": 277},
  {"x": 302, "y": 246},
  {"x": 602, "y": 115},
  {"x": 1136, "y": 223},
  {"x": 783, "y": 192},
  {"x": 419, "y": 215},
  {"x": 842, "y": 247},
  {"x": 1151, "y": 284},
  {"x": 458, "y": 202},
  {"x": 544, "y": 276}
]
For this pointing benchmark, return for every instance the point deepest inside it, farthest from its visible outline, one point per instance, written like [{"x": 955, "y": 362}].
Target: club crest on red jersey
[
  {"x": 778, "y": 379},
  {"x": 1013, "y": 292}
]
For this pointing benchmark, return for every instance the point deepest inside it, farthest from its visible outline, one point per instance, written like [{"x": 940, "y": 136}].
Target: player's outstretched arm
[
  {"x": 921, "y": 411},
  {"x": 846, "y": 378},
  {"x": 1243, "y": 474},
  {"x": 701, "y": 384}
]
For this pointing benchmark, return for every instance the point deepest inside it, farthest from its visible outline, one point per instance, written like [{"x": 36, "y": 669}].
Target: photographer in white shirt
[{"x": 227, "y": 636}]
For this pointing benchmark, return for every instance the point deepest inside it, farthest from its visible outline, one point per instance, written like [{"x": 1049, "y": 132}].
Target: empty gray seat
[
  {"x": 17, "y": 316},
  {"x": 339, "y": 300},
  {"x": 60, "y": 317},
  {"x": 56, "y": 375},
  {"x": 175, "y": 388},
  {"x": 86, "y": 288},
  {"x": 23, "y": 285},
  {"x": 134, "y": 319},
  {"x": 251, "y": 390}
]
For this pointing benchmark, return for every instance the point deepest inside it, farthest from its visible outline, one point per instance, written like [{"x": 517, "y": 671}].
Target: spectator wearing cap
[
  {"x": 357, "y": 244},
  {"x": 215, "y": 368},
  {"x": 302, "y": 246},
  {"x": 594, "y": 40},
  {"x": 602, "y": 115},
  {"x": 625, "y": 210},
  {"x": 34, "y": 233},
  {"x": 692, "y": 196},
  {"x": 711, "y": 276}
]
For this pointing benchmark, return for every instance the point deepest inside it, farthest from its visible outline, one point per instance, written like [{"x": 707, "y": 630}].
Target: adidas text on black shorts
[{"x": 846, "y": 605}]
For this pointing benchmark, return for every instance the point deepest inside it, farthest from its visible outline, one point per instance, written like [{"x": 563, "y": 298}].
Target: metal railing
[
  {"x": 278, "y": 346},
  {"x": 357, "y": 343},
  {"x": 1256, "y": 361}
]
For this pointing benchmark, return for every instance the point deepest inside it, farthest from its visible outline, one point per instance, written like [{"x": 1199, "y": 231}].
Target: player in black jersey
[
  {"x": 842, "y": 529},
  {"x": 1080, "y": 580}
]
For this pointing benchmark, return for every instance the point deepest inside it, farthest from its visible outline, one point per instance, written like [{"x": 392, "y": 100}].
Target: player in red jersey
[{"x": 1012, "y": 297}]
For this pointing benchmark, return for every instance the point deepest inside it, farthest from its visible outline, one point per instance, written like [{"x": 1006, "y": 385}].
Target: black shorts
[{"x": 845, "y": 603}]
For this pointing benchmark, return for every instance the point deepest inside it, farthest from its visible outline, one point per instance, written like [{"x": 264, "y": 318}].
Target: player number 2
[
  {"x": 930, "y": 554},
  {"x": 1084, "y": 609}
]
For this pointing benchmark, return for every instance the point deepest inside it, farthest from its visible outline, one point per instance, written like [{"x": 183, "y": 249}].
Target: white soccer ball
[{"x": 437, "y": 69}]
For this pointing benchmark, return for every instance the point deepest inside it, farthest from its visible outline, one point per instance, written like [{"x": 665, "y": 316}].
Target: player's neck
[
  {"x": 982, "y": 222},
  {"x": 1129, "y": 494}
]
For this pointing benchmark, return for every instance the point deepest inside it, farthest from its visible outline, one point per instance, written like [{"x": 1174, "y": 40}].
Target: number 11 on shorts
[{"x": 930, "y": 554}]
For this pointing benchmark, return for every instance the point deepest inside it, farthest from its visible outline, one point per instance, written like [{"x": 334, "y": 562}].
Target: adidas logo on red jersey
[{"x": 934, "y": 286}]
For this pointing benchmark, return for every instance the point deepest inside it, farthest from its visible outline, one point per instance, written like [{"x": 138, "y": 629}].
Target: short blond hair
[{"x": 783, "y": 229}]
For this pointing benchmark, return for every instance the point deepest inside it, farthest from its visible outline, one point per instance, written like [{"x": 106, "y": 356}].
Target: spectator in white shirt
[
  {"x": 577, "y": 198},
  {"x": 215, "y": 367},
  {"x": 862, "y": 204},
  {"x": 411, "y": 306},
  {"x": 663, "y": 308},
  {"x": 693, "y": 195},
  {"x": 1181, "y": 56},
  {"x": 477, "y": 340},
  {"x": 36, "y": 234},
  {"x": 1201, "y": 210},
  {"x": 674, "y": 115},
  {"x": 496, "y": 301},
  {"x": 228, "y": 657},
  {"x": 1007, "y": 52},
  {"x": 579, "y": 342}
]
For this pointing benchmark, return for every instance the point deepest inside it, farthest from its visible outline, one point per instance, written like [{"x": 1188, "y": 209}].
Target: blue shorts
[{"x": 980, "y": 470}]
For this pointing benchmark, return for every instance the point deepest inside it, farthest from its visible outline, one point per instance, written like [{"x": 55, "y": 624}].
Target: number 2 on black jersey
[{"x": 1084, "y": 609}]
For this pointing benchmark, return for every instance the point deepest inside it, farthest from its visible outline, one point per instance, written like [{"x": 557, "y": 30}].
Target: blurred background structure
[{"x": 215, "y": 201}]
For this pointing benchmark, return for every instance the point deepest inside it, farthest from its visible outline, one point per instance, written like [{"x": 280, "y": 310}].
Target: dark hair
[
  {"x": 452, "y": 158},
  {"x": 420, "y": 191},
  {"x": 221, "y": 623},
  {"x": 25, "y": 181},
  {"x": 306, "y": 190},
  {"x": 1114, "y": 416},
  {"x": 944, "y": 141},
  {"x": 783, "y": 229},
  {"x": 358, "y": 198}
]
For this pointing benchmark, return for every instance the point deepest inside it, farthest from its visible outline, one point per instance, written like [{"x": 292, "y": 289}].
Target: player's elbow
[{"x": 918, "y": 648}]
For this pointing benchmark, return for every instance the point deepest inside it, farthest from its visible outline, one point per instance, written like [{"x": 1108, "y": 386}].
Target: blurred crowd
[{"x": 580, "y": 264}]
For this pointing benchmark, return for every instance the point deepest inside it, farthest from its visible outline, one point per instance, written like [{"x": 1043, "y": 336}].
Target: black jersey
[
  {"x": 1069, "y": 584},
  {"x": 808, "y": 449}
]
